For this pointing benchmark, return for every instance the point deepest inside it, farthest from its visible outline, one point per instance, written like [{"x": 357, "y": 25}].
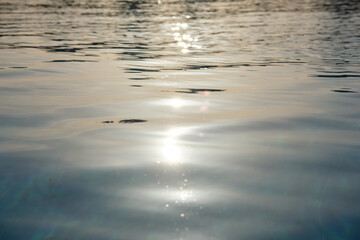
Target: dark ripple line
[
  {"x": 197, "y": 90},
  {"x": 335, "y": 76},
  {"x": 73, "y": 60},
  {"x": 343, "y": 91}
]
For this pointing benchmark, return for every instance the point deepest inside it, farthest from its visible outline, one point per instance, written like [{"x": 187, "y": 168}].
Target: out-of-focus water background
[{"x": 180, "y": 119}]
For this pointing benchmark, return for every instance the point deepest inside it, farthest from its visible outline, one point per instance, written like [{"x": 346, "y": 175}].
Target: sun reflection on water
[
  {"x": 176, "y": 103},
  {"x": 180, "y": 196},
  {"x": 171, "y": 149},
  {"x": 185, "y": 195},
  {"x": 175, "y": 132},
  {"x": 172, "y": 154},
  {"x": 184, "y": 40}
]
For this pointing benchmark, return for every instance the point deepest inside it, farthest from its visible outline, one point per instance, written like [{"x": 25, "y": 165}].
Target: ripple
[
  {"x": 139, "y": 70},
  {"x": 132, "y": 121},
  {"x": 139, "y": 78},
  {"x": 337, "y": 76},
  {"x": 71, "y": 60},
  {"x": 108, "y": 122},
  {"x": 197, "y": 90},
  {"x": 343, "y": 91}
]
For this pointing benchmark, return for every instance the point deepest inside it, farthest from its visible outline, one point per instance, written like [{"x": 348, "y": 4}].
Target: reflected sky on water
[{"x": 179, "y": 119}]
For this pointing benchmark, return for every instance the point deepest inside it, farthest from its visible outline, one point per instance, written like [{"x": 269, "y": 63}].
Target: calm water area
[{"x": 180, "y": 119}]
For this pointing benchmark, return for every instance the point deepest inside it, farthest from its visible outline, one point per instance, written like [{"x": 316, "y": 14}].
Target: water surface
[{"x": 179, "y": 119}]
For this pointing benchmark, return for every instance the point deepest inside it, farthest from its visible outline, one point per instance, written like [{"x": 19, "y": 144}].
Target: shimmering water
[{"x": 179, "y": 119}]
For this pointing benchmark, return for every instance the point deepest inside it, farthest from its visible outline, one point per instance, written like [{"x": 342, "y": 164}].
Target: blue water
[{"x": 179, "y": 119}]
